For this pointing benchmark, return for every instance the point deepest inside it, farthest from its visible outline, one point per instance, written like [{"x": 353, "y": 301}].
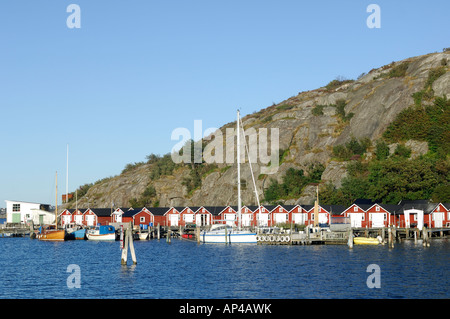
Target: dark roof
[
  {"x": 159, "y": 211},
  {"x": 289, "y": 207},
  {"x": 193, "y": 208},
  {"x": 131, "y": 212},
  {"x": 308, "y": 207},
  {"x": 215, "y": 210},
  {"x": 363, "y": 201},
  {"x": 102, "y": 211},
  {"x": 270, "y": 208},
  {"x": 421, "y": 204},
  {"x": 391, "y": 208}
]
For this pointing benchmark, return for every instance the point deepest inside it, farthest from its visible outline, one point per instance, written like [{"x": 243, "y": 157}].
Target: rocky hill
[{"x": 310, "y": 125}]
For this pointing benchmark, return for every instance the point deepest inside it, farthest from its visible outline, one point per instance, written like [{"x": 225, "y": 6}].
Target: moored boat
[
  {"x": 224, "y": 233},
  {"x": 75, "y": 232},
  {"x": 366, "y": 241},
  {"x": 51, "y": 233},
  {"x": 102, "y": 232},
  {"x": 143, "y": 235}
]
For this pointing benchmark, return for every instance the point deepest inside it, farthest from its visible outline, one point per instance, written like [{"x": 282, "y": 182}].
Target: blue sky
[{"x": 116, "y": 88}]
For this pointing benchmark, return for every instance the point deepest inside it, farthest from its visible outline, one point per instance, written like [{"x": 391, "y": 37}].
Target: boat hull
[
  {"x": 103, "y": 237},
  {"x": 79, "y": 234},
  {"x": 365, "y": 241},
  {"x": 229, "y": 238},
  {"x": 143, "y": 236},
  {"x": 52, "y": 235}
]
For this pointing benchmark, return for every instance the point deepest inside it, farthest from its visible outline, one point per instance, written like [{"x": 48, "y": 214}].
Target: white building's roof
[{"x": 21, "y": 201}]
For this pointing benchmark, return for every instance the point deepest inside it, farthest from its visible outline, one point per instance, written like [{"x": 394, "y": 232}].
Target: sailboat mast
[
  {"x": 238, "y": 171},
  {"x": 56, "y": 201},
  {"x": 67, "y": 175}
]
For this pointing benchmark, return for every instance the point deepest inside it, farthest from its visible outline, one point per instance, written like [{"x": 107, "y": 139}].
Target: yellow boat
[
  {"x": 51, "y": 232},
  {"x": 366, "y": 241}
]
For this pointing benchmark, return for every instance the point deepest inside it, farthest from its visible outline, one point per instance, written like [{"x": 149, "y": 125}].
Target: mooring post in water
[
  {"x": 426, "y": 242},
  {"x": 390, "y": 239},
  {"x": 126, "y": 240},
  {"x": 197, "y": 234},
  {"x": 226, "y": 234},
  {"x": 130, "y": 241},
  {"x": 415, "y": 237},
  {"x": 350, "y": 239},
  {"x": 169, "y": 235},
  {"x": 158, "y": 230},
  {"x": 125, "y": 247}
]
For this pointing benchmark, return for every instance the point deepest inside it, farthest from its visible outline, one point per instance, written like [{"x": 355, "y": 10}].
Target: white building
[{"x": 24, "y": 212}]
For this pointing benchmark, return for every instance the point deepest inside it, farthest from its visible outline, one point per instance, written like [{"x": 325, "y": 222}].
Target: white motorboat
[{"x": 101, "y": 233}]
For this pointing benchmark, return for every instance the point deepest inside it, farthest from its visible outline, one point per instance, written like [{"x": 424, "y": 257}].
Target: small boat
[
  {"x": 102, "y": 232},
  {"x": 51, "y": 233},
  {"x": 76, "y": 232},
  {"x": 143, "y": 235},
  {"x": 367, "y": 240}
]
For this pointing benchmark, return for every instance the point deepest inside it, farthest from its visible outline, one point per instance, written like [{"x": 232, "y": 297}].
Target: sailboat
[
  {"x": 223, "y": 233},
  {"x": 51, "y": 232}
]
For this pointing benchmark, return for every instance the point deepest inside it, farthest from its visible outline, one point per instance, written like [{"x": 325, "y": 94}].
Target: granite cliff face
[{"x": 309, "y": 125}]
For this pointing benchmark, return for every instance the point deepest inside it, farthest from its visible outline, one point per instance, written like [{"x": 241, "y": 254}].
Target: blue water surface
[{"x": 181, "y": 269}]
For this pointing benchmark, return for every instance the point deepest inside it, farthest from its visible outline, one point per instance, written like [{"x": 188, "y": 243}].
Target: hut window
[
  {"x": 355, "y": 209},
  {"x": 377, "y": 208},
  {"x": 142, "y": 219},
  {"x": 16, "y": 207}
]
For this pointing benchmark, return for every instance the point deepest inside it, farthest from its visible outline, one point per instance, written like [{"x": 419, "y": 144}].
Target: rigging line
[{"x": 250, "y": 162}]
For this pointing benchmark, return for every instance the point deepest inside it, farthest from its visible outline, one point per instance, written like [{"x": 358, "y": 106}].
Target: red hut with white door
[
  {"x": 357, "y": 214},
  {"x": 187, "y": 216},
  {"x": 205, "y": 215},
  {"x": 280, "y": 215},
  {"x": 66, "y": 216},
  {"x": 228, "y": 216},
  {"x": 440, "y": 216},
  {"x": 78, "y": 216},
  {"x": 298, "y": 215},
  {"x": 173, "y": 216}
]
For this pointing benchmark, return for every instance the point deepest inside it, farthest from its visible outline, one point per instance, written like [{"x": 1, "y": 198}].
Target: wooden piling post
[
  {"x": 350, "y": 239},
  {"x": 390, "y": 242},
  {"x": 158, "y": 230},
  {"x": 197, "y": 234},
  {"x": 168, "y": 236},
  {"x": 226, "y": 235},
  {"x": 131, "y": 244},
  {"x": 415, "y": 237},
  {"x": 125, "y": 249},
  {"x": 127, "y": 235},
  {"x": 426, "y": 239}
]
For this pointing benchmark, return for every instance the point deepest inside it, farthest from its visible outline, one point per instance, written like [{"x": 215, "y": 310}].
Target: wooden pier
[{"x": 14, "y": 230}]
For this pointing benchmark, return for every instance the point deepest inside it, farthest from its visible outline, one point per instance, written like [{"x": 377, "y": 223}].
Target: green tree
[{"x": 381, "y": 150}]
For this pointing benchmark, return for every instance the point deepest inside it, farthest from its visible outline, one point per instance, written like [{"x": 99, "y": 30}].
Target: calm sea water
[{"x": 35, "y": 269}]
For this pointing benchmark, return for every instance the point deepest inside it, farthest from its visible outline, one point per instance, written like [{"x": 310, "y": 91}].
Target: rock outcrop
[{"x": 307, "y": 136}]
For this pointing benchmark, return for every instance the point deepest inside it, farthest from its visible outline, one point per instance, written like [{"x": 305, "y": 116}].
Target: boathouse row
[{"x": 360, "y": 214}]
